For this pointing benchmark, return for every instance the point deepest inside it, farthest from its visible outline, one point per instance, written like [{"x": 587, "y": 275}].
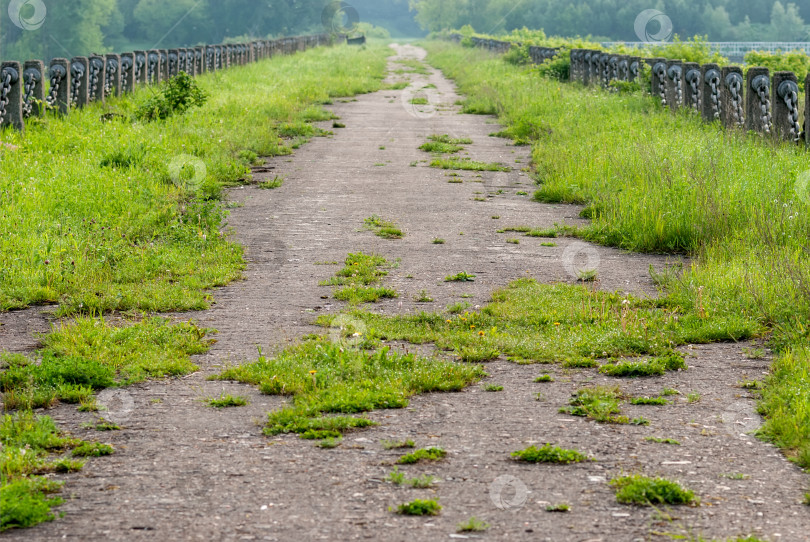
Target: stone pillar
[
  {"x": 691, "y": 84},
  {"x": 785, "y": 117},
  {"x": 59, "y": 74},
  {"x": 113, "y": 66},
  {"x": 98, "y": 76},
  {"x": 674, "y": 84},
  {"x": 659, "y": 78},
  {"x": 34, "y": 78},
  {"x": 758, "y": 87},
  {"x": 732, "y": 107},
  {"x": 199, "y": 60},
  {"x": 164, "y": 64},
  {"x": 587, "y": 54},
  {"x": 80, "y": 79},
  {"x": 710, "y": 91},
  {"x": 11, "y": 85}
]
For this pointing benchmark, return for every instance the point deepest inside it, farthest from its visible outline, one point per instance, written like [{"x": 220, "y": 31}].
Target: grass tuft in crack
[
  {"x": 549, "y": 454},
  {"x": 644, "y": 491},
  {"x": 329, "y": 383}
]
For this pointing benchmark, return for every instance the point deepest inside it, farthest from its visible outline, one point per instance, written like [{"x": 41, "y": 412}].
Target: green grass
[
  {"x": 383, "y": 228},
  {"x": 467, "y": 164},
  {"x": 420, "y": 507},
  {"x": 560, "y": 507},
  {"x": 135, "y": 225},
  {"x": 438, "y": 241},
  {"x": 472, "y": 525},
  {"x": 493, "y": 387},
  {"x": 419, "y": 100},
  {"x": 544, "y": 378},
  {"x": 663, "y": 440},
  {"x": 422, "y": 454},
  {"x": 643, "y": 491},
  {"x": 746, "y": 238},
  {"x": 444, "y": 144},
  {"x": 356, "y": 282},
  {"x": 420, "y": 482},
  {"x": 275, "y": 182},
  {"x": 549, "y": 454},
  {"x": 648, "y": 401},
  {"x": 395, "y": 444},
  {"x": 92, "y": 449},
  {"x": 655, "y": 366},
  {"x": 463, "y": 276},
  {"x": 227, "y": 400},
  {"x": 600, "y": 403},
  {"x": 328, "y": 383},
  {"x": 89, "y": 354}
]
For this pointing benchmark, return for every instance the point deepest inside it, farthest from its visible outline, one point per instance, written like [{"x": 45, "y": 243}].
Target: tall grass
[
  {"x": 90, "y": 216},
  {"x": 657, "y": 182}
]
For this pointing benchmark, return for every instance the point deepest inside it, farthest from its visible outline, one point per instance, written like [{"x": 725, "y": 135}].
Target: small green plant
[
  {"x": 667, "y": 392},
  {"x": 549, "y": 454},
  {"x": 275, "y": 182},
  {"x": 663, "y": 440},
  {"x": 543, "y": 232},
  {"x": 513, "y": 241},
  {"x": 648, "y": 401},
  {"x": 472, "y": 525},
  {"x": 655, "y": 366},
  {"x": 460, "y": 277},
  {"x": 396, "y": 477},
  {"x": 806, "y": 500},
  {"x": 521, "y": 193},
  {"x": 420, "y": 507},
  {"x": 103, "y": 425},
  {"x": 600, "y": 403},
  {"x": 644, "y": 491},
  {"x": 751, "y": 385},
  {"x": 394, "y": 444},
  {"x": 419, "y": 100},
  {"x": 438, "y": 241},
  {"x": 548, "y": 244},
  {"x": 457, "y": 308},
  {"x": 174, "y": 97},
  {"x": 423, "y": 297},
  {"x": 544, "y": 378},
  {"x": 337, "y": 124},
  {"x": 466, "y": 164},
  {"x": 495, "y": 217},
  {"x": 580, "y": 362},
  {"x": 383, "y": 228},
  {"x": 493, "y": 387},
  {"x": 421, "y": 482},
  {"x": 224, "y": 401},
  {"x": 329, "y": 442},
  {"x": 561, "y": 507},
  {"x": 735, "y": 476},
  {"x": 92, "y": 449},
  {"x": 640, "y": 421},
  {"x": 426, "y": 454},
  {"x": 693, "y": 397},
  {"x": 588, "y": 275}
]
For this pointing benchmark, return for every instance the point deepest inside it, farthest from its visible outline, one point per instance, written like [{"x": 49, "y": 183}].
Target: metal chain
[
  {"x": 93, "y": 81},
  {"x": 676, "y": 80},
  {"x": 5, "y": 88},
  {"x": 734, "y": 85},
  {"x": 77, "y": 71},
  {"x": 57, "y": 73},
  {"x": 662, "y": 85},
  {"x": 30, "y": 78},
  {"x": 692, "y": 77},
  {"x": 789, "y": 91},
  {"x": 108, "y": 77},
  {"x": 761, "y": 84},
  {"x": 137, "y": 67}
]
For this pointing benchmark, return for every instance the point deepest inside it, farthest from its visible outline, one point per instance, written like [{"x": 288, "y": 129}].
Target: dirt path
[{"x": 183, "y": 471}]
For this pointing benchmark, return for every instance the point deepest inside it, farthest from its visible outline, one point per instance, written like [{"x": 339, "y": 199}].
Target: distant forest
[
  {"x": 720, "y": 20},
  {"x": 79, "y": 27}
]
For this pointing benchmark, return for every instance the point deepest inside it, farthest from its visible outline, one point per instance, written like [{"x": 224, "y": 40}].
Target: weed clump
[
  {"x": 175, "y": 97},
  {"x": 644, "y": 491},
  {"x": 420, "y": 507},
  {"x": 549, "y": 454},
  {"x": 426, "y": 454}
]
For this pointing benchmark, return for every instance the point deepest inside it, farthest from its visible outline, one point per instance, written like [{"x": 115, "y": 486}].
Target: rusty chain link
[
  {"x": 660, "y": 70},
  {"x": 734, "y": 86},
  {"x": 31, "y": 77},
  {"x": 713, "y": 79},
  {"x": 8, "y": 77},
  {"x": 761, "y": 84},
  {"x": 58, "y": 73},
  {"x": 789, "y": 92}
]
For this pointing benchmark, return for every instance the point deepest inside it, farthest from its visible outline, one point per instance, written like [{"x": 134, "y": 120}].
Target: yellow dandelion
[
  {"x": 480, "y": 333},
  {"x": 449, "y": 321},
  {"x": 472, "y": 327}
]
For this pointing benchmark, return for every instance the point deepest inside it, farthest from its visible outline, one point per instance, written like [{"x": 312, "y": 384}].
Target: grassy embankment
[{"x": 738, "y": 204}]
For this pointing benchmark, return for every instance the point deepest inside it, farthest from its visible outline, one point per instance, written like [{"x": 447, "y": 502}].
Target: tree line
[{"x": 720, "y": 20}]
